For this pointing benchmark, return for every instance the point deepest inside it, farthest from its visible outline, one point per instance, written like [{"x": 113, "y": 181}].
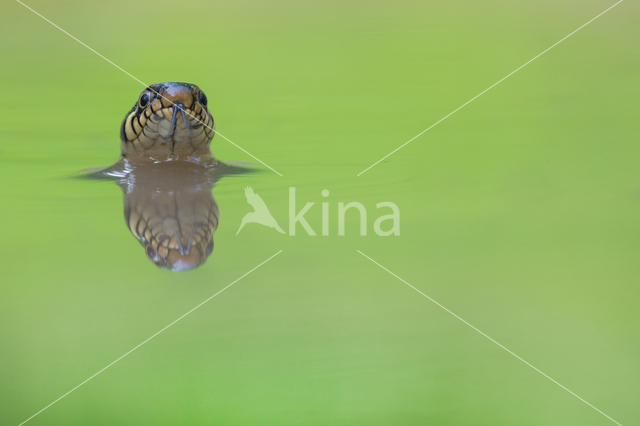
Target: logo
[{"x": 262, "y": 216}]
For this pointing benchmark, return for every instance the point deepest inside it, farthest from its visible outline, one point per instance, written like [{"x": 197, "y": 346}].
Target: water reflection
[{"x": 169, "y": 208}]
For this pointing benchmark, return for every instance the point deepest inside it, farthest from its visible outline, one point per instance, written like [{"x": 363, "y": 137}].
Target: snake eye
[
  {"x": 144, "y": 99},
  {"x": 203, "y": 99},
  {"x": 151, "y": 253}
]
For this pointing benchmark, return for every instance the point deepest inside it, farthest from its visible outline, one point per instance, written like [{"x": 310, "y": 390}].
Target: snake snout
[
  {"x": 180, "y": 95},
  {"x": 184, "y": 262}
]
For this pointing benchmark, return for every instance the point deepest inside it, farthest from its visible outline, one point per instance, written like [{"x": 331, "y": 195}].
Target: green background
[{"x": 520, "y": 213}]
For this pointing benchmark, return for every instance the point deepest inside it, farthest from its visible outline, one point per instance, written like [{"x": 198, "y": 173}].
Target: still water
[{"x": 519, "y": 213}]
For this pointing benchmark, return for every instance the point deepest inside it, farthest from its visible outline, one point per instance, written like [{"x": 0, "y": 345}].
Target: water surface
[{"x": 520, "y": 213}]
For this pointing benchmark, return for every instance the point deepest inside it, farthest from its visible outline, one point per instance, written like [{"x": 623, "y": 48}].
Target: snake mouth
[
  {"x": 172, "y": 128},
  {"x": 180, "y": 258},
  {"x": 169, "y": 121},
  {"x": 170, "y": 252}
]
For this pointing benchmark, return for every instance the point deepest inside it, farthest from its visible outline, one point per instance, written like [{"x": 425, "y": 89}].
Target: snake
[
  {"x": 169, "y": 121},
  {"x": 166, "y": 172}
]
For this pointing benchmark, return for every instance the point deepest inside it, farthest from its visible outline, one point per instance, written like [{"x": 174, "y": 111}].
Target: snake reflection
[{"x": 169, "y": 208}]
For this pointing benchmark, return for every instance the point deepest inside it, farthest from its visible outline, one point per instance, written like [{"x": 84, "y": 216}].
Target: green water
[{"x": 520, "y": 213}]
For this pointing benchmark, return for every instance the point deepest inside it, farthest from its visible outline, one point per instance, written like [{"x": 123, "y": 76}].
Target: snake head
[{"x": 168, "y": 121}]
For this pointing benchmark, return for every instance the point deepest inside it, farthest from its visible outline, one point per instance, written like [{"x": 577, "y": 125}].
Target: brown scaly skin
[
  {"x": 147, "y": 133},
  {"x": 166, "y": 173},
  {"x": 168, "y": 204},
  {"x": 169, "y": 208}
]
